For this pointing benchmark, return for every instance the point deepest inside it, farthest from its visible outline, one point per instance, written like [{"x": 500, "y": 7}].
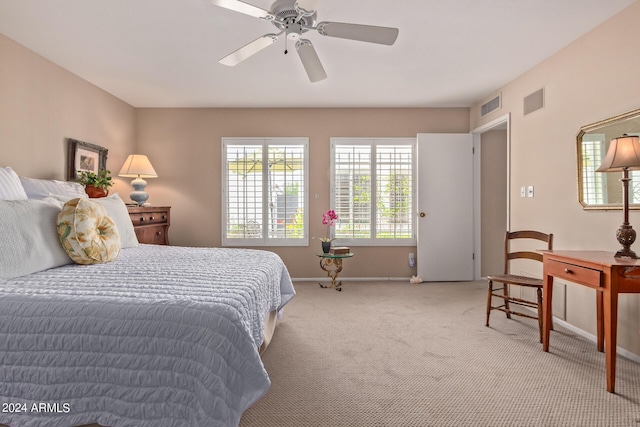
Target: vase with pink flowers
[{"x": 329, "y": 219}]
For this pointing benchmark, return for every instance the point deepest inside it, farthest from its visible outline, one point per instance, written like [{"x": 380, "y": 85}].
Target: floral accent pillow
[{"x": 87, "y": 233}]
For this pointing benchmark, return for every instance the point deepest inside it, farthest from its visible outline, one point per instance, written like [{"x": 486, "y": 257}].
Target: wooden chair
[{"x": 507, "y": 279}]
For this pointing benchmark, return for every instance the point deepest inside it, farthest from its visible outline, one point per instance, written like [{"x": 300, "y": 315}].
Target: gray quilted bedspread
[{"x": 163, "y": 336}]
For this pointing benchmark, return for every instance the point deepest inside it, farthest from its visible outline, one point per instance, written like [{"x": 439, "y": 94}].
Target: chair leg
[
  {"x": 505, "y": 290},
  {"x": 539, "y": 292},
  {"x": 489, "y": 301}
]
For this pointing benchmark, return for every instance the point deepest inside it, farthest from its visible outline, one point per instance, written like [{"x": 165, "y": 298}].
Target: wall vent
[
  {"x": 490, "y": 106},
  {"x": 534, "y": 102}
]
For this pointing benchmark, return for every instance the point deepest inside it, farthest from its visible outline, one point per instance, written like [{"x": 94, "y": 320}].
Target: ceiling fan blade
[
  {"x": 363, "y": 33},
  {"x": 309, "y": 5},
  {"x": 249, "y": 49},
  {"x": 246, "y": 8},
  {"x": 310, "y": 61}
]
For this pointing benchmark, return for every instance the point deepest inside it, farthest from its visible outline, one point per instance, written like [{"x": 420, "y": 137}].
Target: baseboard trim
[
  {"x": 621, "y": 351},
  {"x": 352, "y": 279}
]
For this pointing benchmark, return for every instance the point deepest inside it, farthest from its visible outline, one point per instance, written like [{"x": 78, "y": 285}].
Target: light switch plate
[
  {"x": 530, "y": 191},
  {"x": 523, "y": 191}
]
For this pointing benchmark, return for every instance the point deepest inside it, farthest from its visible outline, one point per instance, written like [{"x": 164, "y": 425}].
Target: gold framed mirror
[{"x": 603, "y": 191}]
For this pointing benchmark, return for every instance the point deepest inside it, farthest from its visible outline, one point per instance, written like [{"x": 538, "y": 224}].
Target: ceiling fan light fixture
[{"x": 293, "y": 31}]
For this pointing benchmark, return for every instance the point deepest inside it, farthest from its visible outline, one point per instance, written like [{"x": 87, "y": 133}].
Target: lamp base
[
  {"x": 626, "y": 254},
  {"x": 626, "y": 236},
  {"x": 139, "y": 195}
]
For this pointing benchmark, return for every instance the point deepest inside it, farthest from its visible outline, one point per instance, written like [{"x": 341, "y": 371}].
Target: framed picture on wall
[{"x": 83, "y": 156}]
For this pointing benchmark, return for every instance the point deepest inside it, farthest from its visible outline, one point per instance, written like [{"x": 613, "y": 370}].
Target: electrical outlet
[
  {"x": 530, "y": 191},
  {"x": 523, "y": 191},
  {"x": 412, "y": 260}
]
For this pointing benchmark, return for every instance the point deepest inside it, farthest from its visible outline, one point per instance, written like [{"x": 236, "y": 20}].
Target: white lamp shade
[
  {"x": 623, "y": 153},
  {"x": 137, "y": 165}
]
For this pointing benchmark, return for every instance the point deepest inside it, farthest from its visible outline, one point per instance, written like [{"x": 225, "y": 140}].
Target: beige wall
[
  {"x": 41, "y": 104},
  {"x": 184, "y": 147},
  {"x": 595, "y": 77}
]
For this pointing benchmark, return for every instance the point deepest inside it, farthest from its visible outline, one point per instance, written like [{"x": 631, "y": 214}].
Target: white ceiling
[{"x": 164, "y": 53}]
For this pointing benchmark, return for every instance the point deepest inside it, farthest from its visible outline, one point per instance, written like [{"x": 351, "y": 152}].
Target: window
[
  {"x": 592, "y": 181},
  {"x": 265, "y": 189},
  {"x": 373, "y": 190}
]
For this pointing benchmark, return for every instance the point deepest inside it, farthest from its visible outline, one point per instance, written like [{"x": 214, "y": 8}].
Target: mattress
[{"x": 163, "y": 336}]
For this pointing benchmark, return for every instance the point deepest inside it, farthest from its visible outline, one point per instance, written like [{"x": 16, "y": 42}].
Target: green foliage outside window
[
  {"x": 295, "y": 227},
  {"x": 395, "y": 203}
]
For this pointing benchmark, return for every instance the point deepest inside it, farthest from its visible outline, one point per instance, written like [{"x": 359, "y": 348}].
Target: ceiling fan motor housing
[{"x": 290, "y": 20}]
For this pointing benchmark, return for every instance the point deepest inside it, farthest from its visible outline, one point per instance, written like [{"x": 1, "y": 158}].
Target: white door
[{"x": 445, "y": 207}]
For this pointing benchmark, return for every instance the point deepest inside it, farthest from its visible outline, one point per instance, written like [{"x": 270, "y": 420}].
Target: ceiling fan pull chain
[{"x": 285, "y": 46}]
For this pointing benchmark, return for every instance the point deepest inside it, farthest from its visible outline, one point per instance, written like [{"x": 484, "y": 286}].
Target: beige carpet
[{"x": 395, "y": 354}]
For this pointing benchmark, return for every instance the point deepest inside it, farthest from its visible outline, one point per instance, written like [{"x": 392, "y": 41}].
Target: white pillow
[
  {"x": 10, "y": 186},
  {"x": 28, "y": 238},
  {"x": 119, "y": 213},
  {"x": 56, "y": 201},
  {"x": 41, "y": 188}
]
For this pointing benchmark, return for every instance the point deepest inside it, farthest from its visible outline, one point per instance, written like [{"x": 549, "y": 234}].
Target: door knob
[{"x": 422, "y": 214}]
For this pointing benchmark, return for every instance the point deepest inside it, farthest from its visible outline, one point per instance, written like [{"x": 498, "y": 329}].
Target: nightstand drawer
[
  {"x": 152, "y": 235},
  {"x": 575, "y": 273},
  {"x": 149, "y": 218}
]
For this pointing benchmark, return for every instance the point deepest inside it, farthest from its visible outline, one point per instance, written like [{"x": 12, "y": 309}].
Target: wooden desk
[{"x": 601, "y": 271}]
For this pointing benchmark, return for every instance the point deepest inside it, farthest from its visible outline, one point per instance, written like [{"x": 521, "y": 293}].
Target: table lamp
[
  {"x": 623, "y": 155},
  {"x": 138, "y": 166}
]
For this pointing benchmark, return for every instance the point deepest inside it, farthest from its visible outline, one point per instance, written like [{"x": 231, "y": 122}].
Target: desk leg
[
  {"x": 610, "y": 334},
  {"x": 600, "y": 321},
  {"x": 547, "y": 310}
]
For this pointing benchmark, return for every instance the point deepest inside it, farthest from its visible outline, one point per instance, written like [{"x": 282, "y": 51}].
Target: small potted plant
[{"x": 96, "y": 184}]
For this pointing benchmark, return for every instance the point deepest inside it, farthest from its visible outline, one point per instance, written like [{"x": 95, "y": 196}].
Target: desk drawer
[{"x": 574, "y": 273}]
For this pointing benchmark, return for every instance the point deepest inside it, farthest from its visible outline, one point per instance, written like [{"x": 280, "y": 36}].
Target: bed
[{"x": 160, "y": 336}]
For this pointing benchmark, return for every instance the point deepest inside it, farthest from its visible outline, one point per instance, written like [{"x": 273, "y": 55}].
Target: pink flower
[{"x": 329, "y": 218}]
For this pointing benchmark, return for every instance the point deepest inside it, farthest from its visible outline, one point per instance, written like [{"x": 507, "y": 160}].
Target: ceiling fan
[{"x": 293, "y": 18}]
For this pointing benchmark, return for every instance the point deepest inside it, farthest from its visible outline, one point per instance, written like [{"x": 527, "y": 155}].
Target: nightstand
[{"x": 151, "y": 224}]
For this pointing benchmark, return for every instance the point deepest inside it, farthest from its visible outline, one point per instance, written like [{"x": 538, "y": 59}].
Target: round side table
[{"x": 332, "y": 264}]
